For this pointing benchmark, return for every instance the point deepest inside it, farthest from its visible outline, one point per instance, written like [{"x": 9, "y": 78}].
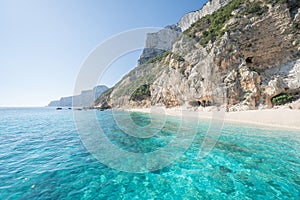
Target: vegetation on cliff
[
  {"x": 282, "y": 99},
  {"x": 213, "y": 25},
  {"x": 141, "y": 93},
  {"x": 250, "y": 49}
]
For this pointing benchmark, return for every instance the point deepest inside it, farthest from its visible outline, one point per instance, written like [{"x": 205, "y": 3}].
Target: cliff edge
[{"x": 242, "y": 54}]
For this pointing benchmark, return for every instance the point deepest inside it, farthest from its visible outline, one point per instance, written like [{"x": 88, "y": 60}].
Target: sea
[{"x": 59, "y": 154}]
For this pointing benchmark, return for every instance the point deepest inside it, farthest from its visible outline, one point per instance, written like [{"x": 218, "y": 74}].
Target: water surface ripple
[{"x": 42, "y": 157}]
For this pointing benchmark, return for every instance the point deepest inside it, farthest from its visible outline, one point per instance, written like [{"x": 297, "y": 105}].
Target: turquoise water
[{"x": 42, "y": 157}]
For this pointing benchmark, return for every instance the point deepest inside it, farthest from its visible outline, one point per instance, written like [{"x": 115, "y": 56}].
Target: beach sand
[{"x": 287, "y": 119}]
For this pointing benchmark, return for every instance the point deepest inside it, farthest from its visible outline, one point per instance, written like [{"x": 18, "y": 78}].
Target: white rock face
[
  {"x": 86, "y": 98},
  {"x": 293, "y": 78},
  {"x": 242, "y": 70},
  {"x": 287, "y": 76},
  {"x": 157, "y": 43},
  {"x": 211, "y": 6}
]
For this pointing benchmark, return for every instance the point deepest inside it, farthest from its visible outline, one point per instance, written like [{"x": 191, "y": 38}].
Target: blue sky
[{"x": 43, "y": 43}]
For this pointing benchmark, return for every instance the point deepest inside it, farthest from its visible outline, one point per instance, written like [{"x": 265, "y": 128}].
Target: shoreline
[{"x": 286, "y": 119}]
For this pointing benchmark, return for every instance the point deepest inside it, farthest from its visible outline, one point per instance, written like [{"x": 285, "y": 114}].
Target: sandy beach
[{"x": 273, "y": 118}]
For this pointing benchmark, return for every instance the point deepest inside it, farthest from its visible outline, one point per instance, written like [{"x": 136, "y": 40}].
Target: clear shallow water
[{"x": 42, "y": 157}]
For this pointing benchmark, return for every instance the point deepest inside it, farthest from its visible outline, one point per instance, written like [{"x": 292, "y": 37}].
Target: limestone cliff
[
  {"x": 86, "y": 98},
  {"x": 244, "y": 55},
  {"x": 158, "y": 43},
  {"x": 211, "y": 6},
  {"x": 162, "y": 41}
]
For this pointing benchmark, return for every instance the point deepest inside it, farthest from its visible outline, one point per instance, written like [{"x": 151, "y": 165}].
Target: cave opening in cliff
[{"x": 249, "y": 60}]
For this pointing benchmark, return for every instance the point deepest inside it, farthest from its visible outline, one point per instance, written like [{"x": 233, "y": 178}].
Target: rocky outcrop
[
  {"x": 241, "y": 56},
  {"x": 211, "y": 6},
  {"x": 282, "y": 79},
  {"x": 158, "y": 43},
  {"x": 54, "y": 104},
  {"x": 86, "y": 98},
  {"x": 62, "y": 102},
  {"x": 162, "y": 41}
]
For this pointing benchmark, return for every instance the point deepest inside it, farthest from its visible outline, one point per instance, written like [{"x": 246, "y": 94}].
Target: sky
[{"x": 43, "y": 43}]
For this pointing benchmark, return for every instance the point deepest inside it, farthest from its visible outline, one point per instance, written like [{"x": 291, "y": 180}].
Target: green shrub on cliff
[
  {"x": 213, "y": 24},
  {"x": 159, "y": 58},
  {"x": 282, "y": 99},
  {"x": 255, "y": 8},
  {"x": 143, "y": 92}
]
